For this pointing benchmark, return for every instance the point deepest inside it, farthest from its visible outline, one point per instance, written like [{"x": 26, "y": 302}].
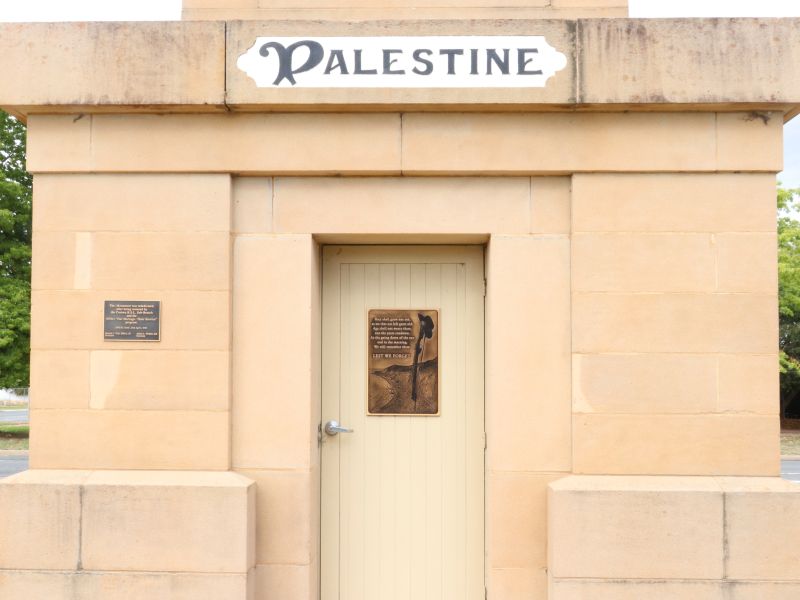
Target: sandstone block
[
  {"x": 590, "y": 4},
  {"x": 635, "y": 262},
  {"x": 38, "y": 585},
  {"x": 747, "y": 263},
  {"x": 694, "y": 323},
  {"x": 397, "y": 205},
  {"x": 288, "y": 582},
  {"x": 286, "y": 505},
  {"x": 746, "y": 62},
  {"x": 190, "y": 58},
  {"x": 684, "y": 202},
  {"x": 632, "y": 589},
  {"x": 676, "y": 444},
  {"x": 517, "y": 584},
  {"x": 155, "y": 586},
  {"x": 72, "y": 319},
  {"x": 517, "y": 512},
  {"x": 635, "y": 528},
  {"x": 355, "y": 17},
  {"x": 167, "y": 380},
  {"x": 60, "y": 260},
  {"x": 252, "y": 204},
  {"x": 58, "y": 139},
  {"x": 542, "y": 143},
  {"x": 551, "y": 204},
  {"x": 761, "y": 530},
  {"x": 153, "y": 261},
  {"x": 644, "y": 383},
  {"x": 91, "y": 585},
  {"x": 141, "y": 439},
  {"x": 278, "y": 272},
  {"x": 118, "y": 202},
  {"x": 748, "y": 383},
  {"x": 528, "y": 409},
  {"x": 40, "y": 521},
  {"x": 197, "y": 4},
  {"x": 750, "y": 590},
  {"x": 751, "y": 141},
  {"x": 168, "y": 521},
  {"x": 257, "y": 144},
  {"x": 59, "y": 379}
]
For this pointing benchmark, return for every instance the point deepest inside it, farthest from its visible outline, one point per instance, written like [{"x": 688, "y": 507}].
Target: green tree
[
  {"x": 789, "y": 295},
  {"x": 15, "y": 254}
]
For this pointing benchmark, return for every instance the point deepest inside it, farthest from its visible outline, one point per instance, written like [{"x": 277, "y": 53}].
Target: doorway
[{"x": 402, "y": 461}]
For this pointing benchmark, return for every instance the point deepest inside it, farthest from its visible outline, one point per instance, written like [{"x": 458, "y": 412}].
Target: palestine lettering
[{"x": 457, "y": 61}]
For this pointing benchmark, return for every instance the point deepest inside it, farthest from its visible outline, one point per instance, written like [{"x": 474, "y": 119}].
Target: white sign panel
[{"x": 402, "y": 62}]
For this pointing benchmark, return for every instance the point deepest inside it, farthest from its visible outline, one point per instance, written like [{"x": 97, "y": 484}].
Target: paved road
[
  {"x": 790, "y": 469},
  {"x": 14, "y": 416},
  {"x": 13, "y": 464}
]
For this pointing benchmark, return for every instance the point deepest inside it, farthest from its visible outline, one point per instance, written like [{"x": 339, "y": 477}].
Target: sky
[{"x": 164, "y": 10}]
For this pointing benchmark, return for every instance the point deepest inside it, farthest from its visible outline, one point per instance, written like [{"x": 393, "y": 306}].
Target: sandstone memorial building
[{"x": 371, "y": 300}]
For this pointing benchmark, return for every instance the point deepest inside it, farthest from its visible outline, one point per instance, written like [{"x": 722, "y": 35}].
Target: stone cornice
[{"x": 613, "y": 64}]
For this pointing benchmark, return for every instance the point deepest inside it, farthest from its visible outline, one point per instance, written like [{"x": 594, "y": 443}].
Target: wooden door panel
[{"x": 402, "y": 496}]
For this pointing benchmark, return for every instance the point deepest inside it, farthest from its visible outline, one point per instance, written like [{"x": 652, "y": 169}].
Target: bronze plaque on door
[{"x": 403, "y": 362}]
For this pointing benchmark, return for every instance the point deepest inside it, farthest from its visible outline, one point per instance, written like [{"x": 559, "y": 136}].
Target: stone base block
[
  {"x": 636, "y": 589},
  {"x": 96, "y": 585},
  {"x": 160, "y": 535},
  {"x": 693, "y": 538}
]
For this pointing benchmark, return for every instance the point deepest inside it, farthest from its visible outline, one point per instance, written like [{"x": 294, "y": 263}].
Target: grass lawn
[
  {"x": 14, "y": 431},
  {"x": 790, "y": 443},
  {"x": 20, "y": 407},
  {"x": 14, "y": 437},
  {"x": 13, "y": 443}
]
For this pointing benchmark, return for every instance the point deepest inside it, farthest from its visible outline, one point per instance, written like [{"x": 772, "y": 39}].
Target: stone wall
[
  {"x": 359, "y": 10},
  {"x": 631, "y": 287},
  {"x": 612, "y": 65},
  {"x": 116, "y": 535},
  {"x": 694, "y": 538}
]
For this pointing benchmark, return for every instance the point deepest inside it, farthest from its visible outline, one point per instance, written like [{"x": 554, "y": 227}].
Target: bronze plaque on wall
[
  {"x": 132, "y": 320},
  {"x": 403, "y": 362}
]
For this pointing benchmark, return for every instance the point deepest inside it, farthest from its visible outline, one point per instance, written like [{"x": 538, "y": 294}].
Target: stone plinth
[
  {"x": 699, "y": 538},
  {"x": 166, "y": 535}
]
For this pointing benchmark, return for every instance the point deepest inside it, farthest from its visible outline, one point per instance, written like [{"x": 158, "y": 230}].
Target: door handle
[{"x": 334, "y": 428}]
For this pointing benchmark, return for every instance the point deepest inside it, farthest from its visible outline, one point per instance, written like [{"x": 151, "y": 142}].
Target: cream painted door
[{"x": 403, "y": 496}]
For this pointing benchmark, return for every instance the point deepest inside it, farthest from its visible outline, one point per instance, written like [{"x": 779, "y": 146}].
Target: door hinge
[
  {"x": 484, "y": 287},
  {"x": 484, "y": 440}
]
